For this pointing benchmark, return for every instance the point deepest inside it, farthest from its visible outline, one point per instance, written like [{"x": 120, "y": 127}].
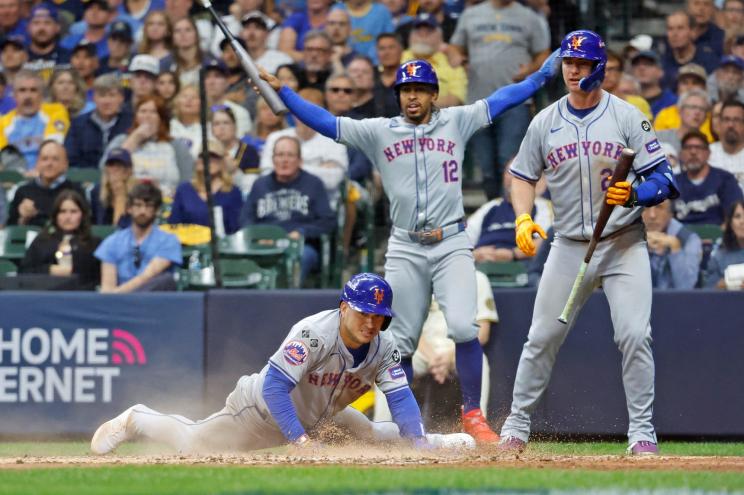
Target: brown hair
[
  {"x": 78, "y": 102},
  {"x": 145, "y": 45},
  {"x": 83, "y": 230},
  {"x": 163, "y": 113},
  {"x": 729, "y": 240}
]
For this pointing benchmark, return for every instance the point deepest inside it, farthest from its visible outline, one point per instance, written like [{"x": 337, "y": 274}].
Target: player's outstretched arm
[
  {"x": 313, "y": 116},
  {"x": 276, "y": 390},
  {"x": 514, "y": 94},
  {"x": 658, "y": 185},
  {"x": 406, "y": 413}
]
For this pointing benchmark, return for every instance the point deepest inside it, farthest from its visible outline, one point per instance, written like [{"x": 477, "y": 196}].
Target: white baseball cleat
[
  {"x": 453, "y": 441},
  {"x": 112, "y": 433}
]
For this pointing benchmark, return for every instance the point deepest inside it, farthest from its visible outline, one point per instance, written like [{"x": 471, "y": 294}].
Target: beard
[
  {"x": 694, "y": 166},
  {"x": 731, "y": 137}
]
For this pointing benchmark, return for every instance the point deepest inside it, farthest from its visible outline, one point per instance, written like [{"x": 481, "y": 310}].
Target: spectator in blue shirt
[
  {"x": 97, "y": 16},
  {"x": 646, "y": 67},
  {"x": 706, "y": 31},
  {"x": 298, "y": 24},
  {"x": 368, "y": 20},
  {"x": 705, "y": 192},
  {"x": 679, "y": 49},
  {"x": 293, "y": 199},
  {"x": 13, "y": 56},
  {"x": 190, "y": 201},
  {"x": 141, "y": 257},
  {"x": 675, "y": 251},
  {"x": 12, "y": 22}
]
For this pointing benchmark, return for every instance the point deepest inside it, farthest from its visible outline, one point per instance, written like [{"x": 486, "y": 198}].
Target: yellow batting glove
[
  {"x": 525, "y": 227},
  {"x": 619, "y": 194}
]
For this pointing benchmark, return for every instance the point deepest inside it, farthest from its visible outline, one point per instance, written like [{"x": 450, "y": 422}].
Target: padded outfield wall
[{"x": 70, "y": 360}]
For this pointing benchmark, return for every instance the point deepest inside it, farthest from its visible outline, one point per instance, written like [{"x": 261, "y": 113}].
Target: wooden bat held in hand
[{"x": 620, "y": 174}]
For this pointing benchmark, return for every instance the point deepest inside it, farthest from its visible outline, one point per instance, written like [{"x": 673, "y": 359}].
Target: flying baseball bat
[
  {"x": 620, "y": 174},
  {"x": 275, "y": 103}
]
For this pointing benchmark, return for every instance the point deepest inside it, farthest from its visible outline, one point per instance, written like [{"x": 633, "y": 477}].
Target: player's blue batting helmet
[
  {"x": 416, "y": 71},
  {"x": 588, "y": 45},
  {"x": 369, "y": 293}
]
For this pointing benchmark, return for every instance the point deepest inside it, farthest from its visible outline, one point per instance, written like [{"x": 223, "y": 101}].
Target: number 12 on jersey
[{"x": 449, "y": 168}]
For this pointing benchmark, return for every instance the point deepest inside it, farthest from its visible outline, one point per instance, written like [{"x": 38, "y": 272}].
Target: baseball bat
[
  {"x": 272, "y": 98},
  {"x": 620, "y": 174}
]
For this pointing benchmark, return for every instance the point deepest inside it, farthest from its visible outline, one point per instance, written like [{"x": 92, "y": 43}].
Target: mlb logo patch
[
  {"x": 295, "y": 353},
  {"x": 653, "y": 146},
  {"x": 397, "y": 372}
]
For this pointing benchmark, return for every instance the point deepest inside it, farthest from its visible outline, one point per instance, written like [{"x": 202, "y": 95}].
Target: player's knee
[{"x": 631, "y": 341}]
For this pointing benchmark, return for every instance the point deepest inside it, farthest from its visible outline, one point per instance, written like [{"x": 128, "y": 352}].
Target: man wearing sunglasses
[{"x": 139, "y": 258}]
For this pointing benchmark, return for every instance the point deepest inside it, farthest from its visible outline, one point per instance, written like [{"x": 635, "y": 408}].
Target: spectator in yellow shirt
[
  {"x": 425, "y": 42},
  {"x": 690, "y": 76},
  {"x": 32, "y": 122}
]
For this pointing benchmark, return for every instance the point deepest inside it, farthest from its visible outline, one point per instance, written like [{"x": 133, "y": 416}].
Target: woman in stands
[
  {"x": 730, "y": 251},
  {"x": 156, "y": 156},
  {"x": 190, "y": 202},
  {"x": 167, "y": 87},
  {"x": 65, "y": 247},
  {"x": 157, "y": 35},
  {"x": 266, "y": 123},
  {"x": 108, "y": 199},
  {"x": 186, "y": 124},
  {"x": 67, "y": 88},
  {"x": 241, "y": 158},
  {"x": 187, "y": 56}
]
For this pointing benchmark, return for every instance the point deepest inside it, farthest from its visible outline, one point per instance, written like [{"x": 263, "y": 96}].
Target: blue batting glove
[{"x": 551, "y": 66}]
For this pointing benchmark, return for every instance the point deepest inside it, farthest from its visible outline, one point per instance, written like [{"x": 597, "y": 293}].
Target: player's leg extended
[
  {"x": 546, "y": 333},
  {"x": 407, "y": 270},
  {"x": 627, "y": 284},
  {"x": 454, "y": 286},
  {"x": 217, "y": 432},
  {"x": 455, "y": 289}
]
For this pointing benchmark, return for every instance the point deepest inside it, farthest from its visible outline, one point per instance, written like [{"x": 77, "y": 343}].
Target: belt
[{"x": 426, "y": 237}]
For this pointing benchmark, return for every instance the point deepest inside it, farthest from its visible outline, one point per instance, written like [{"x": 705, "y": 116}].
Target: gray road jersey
[
  {"x": 315, "y": 358},
  {"x": 421, "y": 166},
  {"x": 578, "y": 156},
  {"x": 498, "y": 41}
]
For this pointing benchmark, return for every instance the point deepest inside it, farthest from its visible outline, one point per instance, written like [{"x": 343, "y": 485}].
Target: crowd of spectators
[{"x": 113, "y": 86}]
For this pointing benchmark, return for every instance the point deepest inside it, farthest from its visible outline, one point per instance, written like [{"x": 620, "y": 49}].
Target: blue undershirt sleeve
[
  {"x": 658, "y": 185},
  {"x": 512, "y": 95},
  {"x": 276, "y": 390},
  {"x": 405, "y": 412},
  {"x": 315, "y": 117}
]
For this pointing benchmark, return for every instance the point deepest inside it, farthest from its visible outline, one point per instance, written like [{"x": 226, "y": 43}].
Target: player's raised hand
[
  {"x": 273, "y": 81},
  {"x": 619, "y": 193},
  {"x": 525, "y": 228},
  {"x": 551, "y": 66}
]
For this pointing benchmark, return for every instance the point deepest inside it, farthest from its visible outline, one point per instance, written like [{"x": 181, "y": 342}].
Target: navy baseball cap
[
  {"x": 226, "y": 42},
  {"x": 100, "y": 3},
  {"x": 15, "y": 40},
  {"x": 216, "y": 64},
  {"x": 87, "y": 46},
  {"x": 646, "y": 55},
  {"x": 424, "y": 19},
  {"x": 44, "y": 9},
  {"x": 119, "y": 156},
  {"x": 732, "y": 60},
  {"x": 121, "y": 30}
]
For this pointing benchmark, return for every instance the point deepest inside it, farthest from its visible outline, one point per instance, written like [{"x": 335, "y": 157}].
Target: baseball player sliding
[
  {"x": 326, "y": 362},
  {"x": 419, "y": 156},
  {"x": 576, "y": 143}
]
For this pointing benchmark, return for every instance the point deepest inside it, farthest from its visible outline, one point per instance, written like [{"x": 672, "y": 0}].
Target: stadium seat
[
  {"x": 505, "y": 274},
  {"x": 102, "y": 231},
  {"x": 706, "y": 231},
  {"x": 16, "y": 240},
  {"x": 8, "y": 268},
  {"x": 8, "y": 178},
  {"x": 268, "y": 246},
  {"x": 84, "y": 175},
  {"x": 236, "y": 273}
]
